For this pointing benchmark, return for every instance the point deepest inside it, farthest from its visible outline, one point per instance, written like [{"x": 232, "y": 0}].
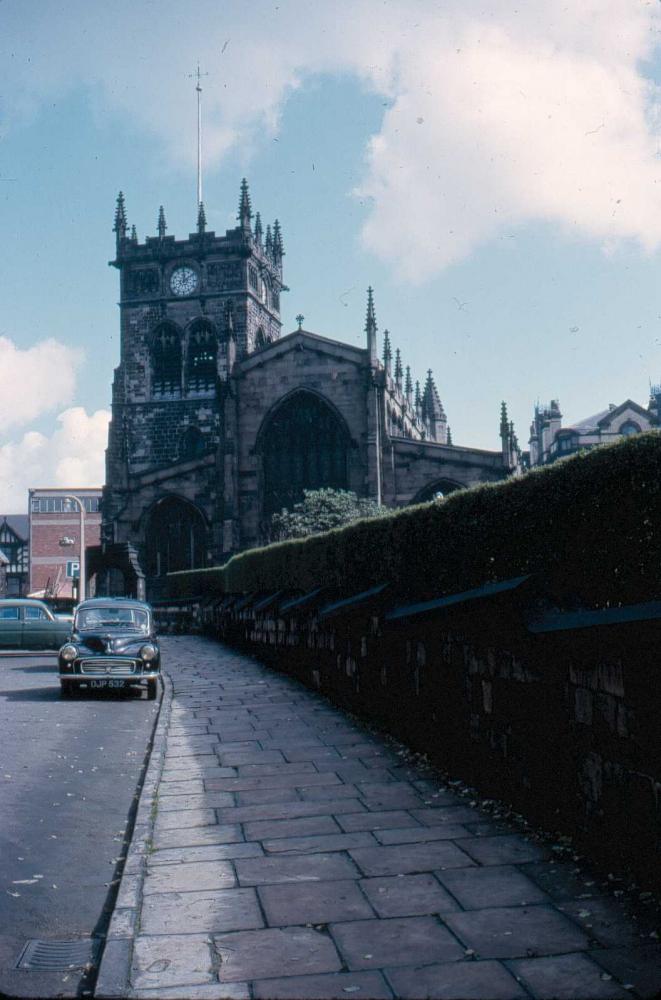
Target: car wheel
[{"x": 151, "y": 688}]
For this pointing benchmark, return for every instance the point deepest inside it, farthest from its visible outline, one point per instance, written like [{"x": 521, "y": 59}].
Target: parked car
[
  {"x": 26, "y": 623},
  {"x": 113, "y": 645}
]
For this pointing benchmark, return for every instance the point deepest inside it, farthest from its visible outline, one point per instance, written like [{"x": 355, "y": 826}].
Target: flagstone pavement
[{"x": 297, "y": 854}]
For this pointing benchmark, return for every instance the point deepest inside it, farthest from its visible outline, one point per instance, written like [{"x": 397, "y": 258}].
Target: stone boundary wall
[{"x": 562, "y": 725}]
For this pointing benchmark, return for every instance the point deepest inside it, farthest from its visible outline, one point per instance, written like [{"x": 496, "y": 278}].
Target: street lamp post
[{"x": 81, "y": 570}]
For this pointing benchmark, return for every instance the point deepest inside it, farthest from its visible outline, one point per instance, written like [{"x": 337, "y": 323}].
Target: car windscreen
[{"x": 112, "y": 617}]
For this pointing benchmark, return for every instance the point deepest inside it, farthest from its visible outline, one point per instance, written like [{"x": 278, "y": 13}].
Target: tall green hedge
[{"x": 589, "y": 526}]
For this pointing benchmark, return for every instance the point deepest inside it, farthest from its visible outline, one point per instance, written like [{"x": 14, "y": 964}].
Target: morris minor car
[{"x": 113, "y": 644}]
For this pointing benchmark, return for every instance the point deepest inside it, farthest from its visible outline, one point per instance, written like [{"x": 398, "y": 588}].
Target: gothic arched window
[
  {"x": 192, "y": 444},
  {"x": 176, "y": 537},
  {"x": 166, "y": 361},
  {"x": 260, "y": 339},
  {"x": 201, "y": 359},
  {"x": 304, "y": 446}
]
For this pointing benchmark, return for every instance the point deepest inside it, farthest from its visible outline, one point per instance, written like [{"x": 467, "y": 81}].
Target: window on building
[
  {"x": 260, "y": 339},
  {"x": 166, "y": 362},
  {"x": 62, "y": 505},
  {"x": 176, "y": 537},
  {"x": 192, "y": 444},
  {"x": 201, "y": 360},
  {"x": 629, "y": 427},
  {"x": 304, "y": 445}
]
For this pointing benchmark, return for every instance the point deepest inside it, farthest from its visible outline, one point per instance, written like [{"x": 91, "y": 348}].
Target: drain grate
[{"x": 58, "y": 956}]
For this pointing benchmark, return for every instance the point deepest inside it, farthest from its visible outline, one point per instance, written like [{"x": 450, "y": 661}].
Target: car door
[
  {"x": 41, "y": 630},
  {"x": 11, "y": 625}
]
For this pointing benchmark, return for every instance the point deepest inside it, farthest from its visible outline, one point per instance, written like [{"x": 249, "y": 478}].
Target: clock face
[{"x": 183, "y": 281}]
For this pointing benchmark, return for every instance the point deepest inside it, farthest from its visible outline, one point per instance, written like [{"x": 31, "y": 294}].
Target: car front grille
[{"x": 107, "y": 665}]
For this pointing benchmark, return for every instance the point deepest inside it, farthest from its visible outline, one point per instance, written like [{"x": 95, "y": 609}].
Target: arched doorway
[
  {"x": 304, "y": 446},
  {"x": 436, "y": 490},
  {"x": 176, "y": 537}
]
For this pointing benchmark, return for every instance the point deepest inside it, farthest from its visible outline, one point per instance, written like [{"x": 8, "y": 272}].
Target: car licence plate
[{"x": 111, "y": 682}]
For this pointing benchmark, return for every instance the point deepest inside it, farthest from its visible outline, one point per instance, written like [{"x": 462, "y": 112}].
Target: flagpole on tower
[{"x": 198, "y": 87}]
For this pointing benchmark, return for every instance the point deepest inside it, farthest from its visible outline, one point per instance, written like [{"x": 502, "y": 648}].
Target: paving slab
[
  {"x": 172, "y": 960},
  {"x": 478, "y": 888},
  {"x": 264, "y": 954},
  {"x": 312, "y": 845},
  {"x": 456, "y": 981},
  {"x": 565, "y": 977},
  {"x": 512, "y": 932},
  {"x": 313, "y": 903},
  {"x": 407, "y": 896},
  {"x": 405, "y": 858},
  {"x": 209, "y": 852},
  {"x": 370, "y": 985},
  {"x": 301, "y": 868},
  {"x": 201, "y": 912},
  {"x": 375, "y": 944},
  {"x": 189, "y": 877}
]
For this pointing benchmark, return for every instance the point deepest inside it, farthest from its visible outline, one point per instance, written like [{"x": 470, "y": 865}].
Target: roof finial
[
  {"x": 278, "y": 248},
  {"x": 245, "y": 211},
  {"x": 134, "y": 234},
  {"x": 120, "y": 218},
  {"x": 449, "y": 440},
  {"x": 408, "y": 384},
  {"x": 162, "y": 226},
  {"x": 418, "y": 395},
  {"x": 258, "y": 229},
  {"x": 201, "y": 219},
  {"x": 268, "y": 243},
  {"x": 387, "y": 350},
  {"x": 504, "y": 422},
  {"x": 299, "y": 320},
  {"x": 398, "y": 367},
  {"x": 370, "y": 326}
]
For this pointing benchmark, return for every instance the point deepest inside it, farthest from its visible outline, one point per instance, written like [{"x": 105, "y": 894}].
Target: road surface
[{"x": 69, "y": 771}]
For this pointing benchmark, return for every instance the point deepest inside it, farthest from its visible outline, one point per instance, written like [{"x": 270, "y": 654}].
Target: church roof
[
  {"x": 605, "y": 417},
  {"x": 303, "y": 339}
]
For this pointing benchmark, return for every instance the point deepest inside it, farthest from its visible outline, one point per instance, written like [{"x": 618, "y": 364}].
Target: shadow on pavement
[{"x": 52, "y": 693}]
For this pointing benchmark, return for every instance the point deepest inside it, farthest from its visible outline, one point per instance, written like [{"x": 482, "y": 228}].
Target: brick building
[
  {"x": 54, "y": 558},
  {"x": 218, "y": 421}
]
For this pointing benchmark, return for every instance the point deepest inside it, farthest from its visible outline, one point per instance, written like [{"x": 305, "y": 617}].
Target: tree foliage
[{"x": 321, "y": 510}]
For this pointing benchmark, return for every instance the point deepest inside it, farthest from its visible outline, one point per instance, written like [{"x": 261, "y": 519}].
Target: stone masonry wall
[{"x": 561, "y": 726}]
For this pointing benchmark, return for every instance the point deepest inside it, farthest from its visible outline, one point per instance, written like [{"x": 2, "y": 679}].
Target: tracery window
[
  {"x": 166, "y": 361},
  {"x": 176, "y": 537},
  {"x": 304, "y": 446},
  {"x": 201, "y": 359}
]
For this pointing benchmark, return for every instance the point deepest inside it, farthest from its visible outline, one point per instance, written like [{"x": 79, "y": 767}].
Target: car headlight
[
  {"x": 148, "y": 652},
  {"x": 68, "y": 652}
]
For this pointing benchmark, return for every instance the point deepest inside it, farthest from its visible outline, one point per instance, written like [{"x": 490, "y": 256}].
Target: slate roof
[{"x": 20, "y": 523}]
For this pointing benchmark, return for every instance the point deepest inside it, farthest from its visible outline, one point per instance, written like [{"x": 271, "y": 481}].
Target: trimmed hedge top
[{"x": 589, "y": 526}]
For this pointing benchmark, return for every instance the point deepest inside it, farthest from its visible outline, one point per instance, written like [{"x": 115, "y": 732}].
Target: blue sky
[{"x": 494, "y": 174}]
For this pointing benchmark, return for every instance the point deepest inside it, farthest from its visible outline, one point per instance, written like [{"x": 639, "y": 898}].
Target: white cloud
[
  {"x": 36, "y": 380},
  {"x": 500, "y": 114},
  {"x": 73, "y": 455}
]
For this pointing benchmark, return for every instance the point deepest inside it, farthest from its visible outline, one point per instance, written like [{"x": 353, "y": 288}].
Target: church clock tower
[{"x": 189, "y": 310}]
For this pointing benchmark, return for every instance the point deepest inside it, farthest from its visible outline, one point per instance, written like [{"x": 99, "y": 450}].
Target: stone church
[{"x": 219, "y": 421}]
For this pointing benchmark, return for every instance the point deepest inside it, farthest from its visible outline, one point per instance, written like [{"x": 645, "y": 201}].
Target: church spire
[
  {"x": 398, "y": 368},
  {"x": 370, "y": 326},
  {"x": 258, "y": 229},
  {"x": 201, "y": 219},
  {"x": 408, "y": 385},
  {"x": 162, "y": 226},
  {"x": 432, "y": 410},
  {"x": 134, "y": 234},
  {"x": 268, "y": 243},
  {"x": 418, "y": 396},
  {"x": 245, "y": 211},
  {"x": 120, "y": 218},
  {"x": 387, "y": 350}
]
